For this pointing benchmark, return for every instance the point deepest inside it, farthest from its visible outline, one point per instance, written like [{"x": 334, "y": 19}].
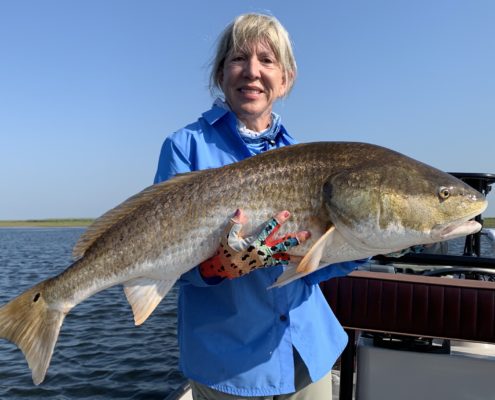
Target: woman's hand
[{"x": 237, "y": 256}]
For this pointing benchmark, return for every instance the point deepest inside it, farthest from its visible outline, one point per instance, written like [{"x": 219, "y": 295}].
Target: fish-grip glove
[{"x": 237, "y": 256}]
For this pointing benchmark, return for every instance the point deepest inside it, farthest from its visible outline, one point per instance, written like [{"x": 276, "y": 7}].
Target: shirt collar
[
  {"x": 220, "y": 109},
  {"x": 214, "y": 113}
]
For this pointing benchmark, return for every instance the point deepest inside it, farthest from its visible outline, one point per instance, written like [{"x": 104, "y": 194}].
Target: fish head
[{"x": 392, "y": 204}]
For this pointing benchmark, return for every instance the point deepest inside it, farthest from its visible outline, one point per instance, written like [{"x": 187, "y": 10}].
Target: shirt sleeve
[
  {"x": 333, "y": 271},
  {"x": 173, "y": 161},
  {"x": 194, "y": 277}
]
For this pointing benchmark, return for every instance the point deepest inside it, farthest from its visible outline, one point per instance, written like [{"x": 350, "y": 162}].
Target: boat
[
  {"x": 183, "y": 392},
  {"x": 422, "y": 325}
]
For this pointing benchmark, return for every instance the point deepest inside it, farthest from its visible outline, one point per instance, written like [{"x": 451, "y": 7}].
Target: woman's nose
[{"x": 252, "y": 68}]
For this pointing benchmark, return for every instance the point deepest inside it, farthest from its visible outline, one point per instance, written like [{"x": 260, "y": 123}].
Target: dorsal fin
[{"x": 113, "y": 216}]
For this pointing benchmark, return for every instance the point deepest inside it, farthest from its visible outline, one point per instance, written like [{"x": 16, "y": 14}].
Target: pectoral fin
[
  {"x": 144, "y": 294},
  {"x": 311, "y": 260},
  {"x": 309, "y": 263}
]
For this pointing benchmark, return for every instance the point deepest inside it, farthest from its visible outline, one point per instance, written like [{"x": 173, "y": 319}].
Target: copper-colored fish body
[{"x": 356, "y": 199}]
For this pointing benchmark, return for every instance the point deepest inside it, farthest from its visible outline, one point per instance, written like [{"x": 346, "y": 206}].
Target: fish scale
[{"x": 356, "y": 199}]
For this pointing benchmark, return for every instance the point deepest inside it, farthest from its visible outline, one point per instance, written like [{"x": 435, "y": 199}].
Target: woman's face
[{"x": 251, "y": 81}]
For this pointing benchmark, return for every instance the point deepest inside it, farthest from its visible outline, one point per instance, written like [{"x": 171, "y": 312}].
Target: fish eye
[{"x": 444, "y": 192}]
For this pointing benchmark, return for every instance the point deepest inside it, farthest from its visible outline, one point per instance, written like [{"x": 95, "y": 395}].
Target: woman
[{"x": 237, "y": 339}]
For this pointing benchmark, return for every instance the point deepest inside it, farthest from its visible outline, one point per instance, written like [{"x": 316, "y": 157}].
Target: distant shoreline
[
  {"x": 84, "y": 222},
  {"x": 47, "y": 223}
]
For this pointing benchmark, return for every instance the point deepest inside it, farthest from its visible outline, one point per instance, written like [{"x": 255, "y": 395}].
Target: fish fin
[
  {"x": 290, "y": 274},
  {"x": 119, "y": 213},
  {"x": 144, "y": 294},
  {"x": 28, "y": 322},
  {"x": 311, "y": 260}
]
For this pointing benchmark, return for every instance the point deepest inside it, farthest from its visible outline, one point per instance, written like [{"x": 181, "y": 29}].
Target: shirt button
[{"x": 283, "y": 318}]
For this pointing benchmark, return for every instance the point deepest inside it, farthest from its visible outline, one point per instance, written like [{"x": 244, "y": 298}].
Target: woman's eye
[{"x": 237, "y": 58}]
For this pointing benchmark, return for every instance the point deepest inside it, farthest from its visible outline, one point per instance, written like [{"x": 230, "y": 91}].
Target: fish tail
[{"x": 28, "y": 322}]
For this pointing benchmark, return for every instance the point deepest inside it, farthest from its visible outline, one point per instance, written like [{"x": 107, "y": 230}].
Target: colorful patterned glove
[{"x": 237, "y": 256}]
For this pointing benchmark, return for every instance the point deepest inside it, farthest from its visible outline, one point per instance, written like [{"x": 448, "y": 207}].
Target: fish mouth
[
  {"x": 455, "y": 229},
  {"x": 460, "y": 227}
]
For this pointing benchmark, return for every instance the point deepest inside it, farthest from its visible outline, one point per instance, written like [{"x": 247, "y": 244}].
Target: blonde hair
[{"x": 247, "y": 29}]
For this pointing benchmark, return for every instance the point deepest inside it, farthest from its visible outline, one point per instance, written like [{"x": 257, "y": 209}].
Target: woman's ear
[
  {"x": 220, "y": 77},
  {"x": 287, "y": 80}
]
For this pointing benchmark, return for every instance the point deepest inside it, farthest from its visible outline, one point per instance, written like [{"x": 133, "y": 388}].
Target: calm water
[{"x": 100, "y": 354}]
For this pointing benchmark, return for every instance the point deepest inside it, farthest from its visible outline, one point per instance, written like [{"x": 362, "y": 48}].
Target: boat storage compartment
[{"x": 390, "y": 374}]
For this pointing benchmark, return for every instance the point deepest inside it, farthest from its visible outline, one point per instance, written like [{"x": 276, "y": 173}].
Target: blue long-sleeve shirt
[{"x": 236, "y": 335}]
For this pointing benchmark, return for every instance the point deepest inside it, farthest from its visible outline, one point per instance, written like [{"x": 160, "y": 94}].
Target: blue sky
[{"x": 89, "y": 89}]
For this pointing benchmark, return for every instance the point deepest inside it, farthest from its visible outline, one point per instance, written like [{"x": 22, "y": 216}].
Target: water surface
[{"x": 100, "y": 354}]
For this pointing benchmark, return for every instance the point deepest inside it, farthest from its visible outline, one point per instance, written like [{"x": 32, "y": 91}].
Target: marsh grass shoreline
[
  {"x": 489, "y": 222},
  {"x": 47, "y": 223}
]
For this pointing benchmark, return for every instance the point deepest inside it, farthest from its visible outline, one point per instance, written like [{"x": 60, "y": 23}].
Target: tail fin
[{"x": 28, "y": 322}]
